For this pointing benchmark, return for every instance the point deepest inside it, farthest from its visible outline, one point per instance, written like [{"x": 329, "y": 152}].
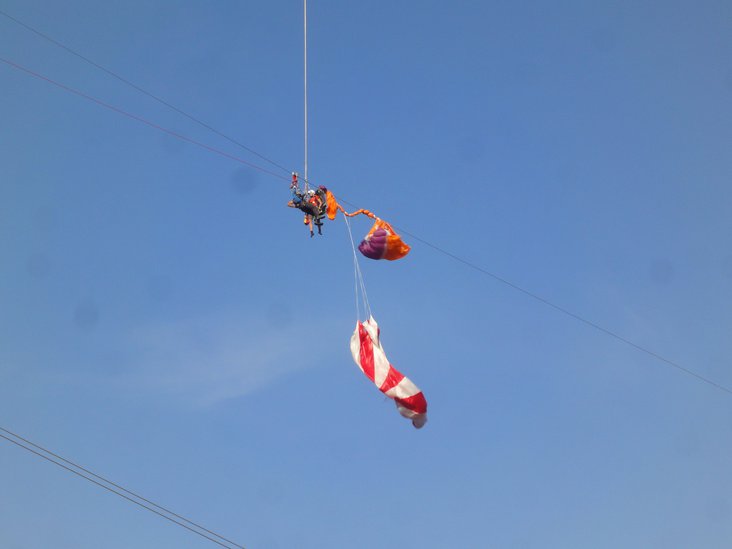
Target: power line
[
  {"x": 496, "y": 277},
  {"x": 141, "y": 90},
  {"x": 560, "y": 309},
  {"x": 140, "y": 119},
  {"x": 118, "y": 490},
  {"x": 570, "y": 314},
  {"x": 130, "y": 492}
]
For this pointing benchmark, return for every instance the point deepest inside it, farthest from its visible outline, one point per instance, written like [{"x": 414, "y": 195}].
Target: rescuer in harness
[{"x": 311, "y": 203}]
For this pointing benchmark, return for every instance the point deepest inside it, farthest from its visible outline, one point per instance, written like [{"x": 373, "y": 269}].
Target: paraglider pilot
[{"x": 311, "y": 203}]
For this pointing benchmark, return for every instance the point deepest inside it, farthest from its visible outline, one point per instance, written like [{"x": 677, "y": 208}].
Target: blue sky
[{"x": 167, "y": 322}]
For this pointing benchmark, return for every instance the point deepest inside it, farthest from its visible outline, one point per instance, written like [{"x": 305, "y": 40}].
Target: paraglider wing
[
  {"x": 370, "y": 357},
  {"x": 382, "y": 242},
  {"x": 332, "y": 205}
]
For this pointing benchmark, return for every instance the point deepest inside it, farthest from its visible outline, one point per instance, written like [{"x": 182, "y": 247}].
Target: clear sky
[{"x": 166, "y": 321}]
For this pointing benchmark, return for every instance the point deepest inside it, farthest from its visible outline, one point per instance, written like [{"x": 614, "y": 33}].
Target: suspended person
[
  {"x": 318, "y": 199},
  {"x": 311, "y": 203}
]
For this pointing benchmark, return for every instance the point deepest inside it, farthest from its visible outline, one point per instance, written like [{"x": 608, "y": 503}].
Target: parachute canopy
[
  {"x": 382, "y": 242},
  {"x": 333, "y": 206},
  {"x": 370, "y": 357}
]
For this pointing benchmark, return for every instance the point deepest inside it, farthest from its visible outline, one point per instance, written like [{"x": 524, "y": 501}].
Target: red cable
[{"x": 140, "y": 119}]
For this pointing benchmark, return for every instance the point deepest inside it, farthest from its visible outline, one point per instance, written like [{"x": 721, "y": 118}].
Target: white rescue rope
[{"x": 305, "y": 78}]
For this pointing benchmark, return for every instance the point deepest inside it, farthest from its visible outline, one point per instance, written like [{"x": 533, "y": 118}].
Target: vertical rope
[
  {"x": 355, "y": 288},
  {"x": 305, "y": 86},
  {"x": 358, "y": 275}
]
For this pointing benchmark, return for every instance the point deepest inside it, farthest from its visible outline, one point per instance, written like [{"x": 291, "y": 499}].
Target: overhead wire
[
  {"x": 559, "y": 308},
  {"x": 455, "y": 257},
  {"x": 569, "y": 313},
  {"x": 140, "y": 119},
  {"x": 101, "y": 478},
  {"x": 141, "y": 90},
  {"x": 359, "y": 282},
  {"x": 496, "y": 277},
  {"x": 118, "y": 490}
]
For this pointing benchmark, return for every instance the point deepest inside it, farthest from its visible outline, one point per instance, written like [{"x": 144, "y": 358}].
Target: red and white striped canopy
[{"x": 370, "y": 357}]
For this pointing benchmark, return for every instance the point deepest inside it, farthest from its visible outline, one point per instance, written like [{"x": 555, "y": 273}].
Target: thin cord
[
  {"x": 561, "y": 309},
  {"x": 305, "y": 82},
  {"x": 363, "y": 289},
  {"x": 228, "y": 545},
  {"x": 77, "y": 466},
  {"x": 140, "y": 119},
  {"x": 141, "y": 90},
  {"x": 355, "y": 289},
  {"x": 423, "y": 241},
  {"x": 355, "y": 272},
  {"x": 569, "y": 313},
  {"x": 359, "y": 273}
]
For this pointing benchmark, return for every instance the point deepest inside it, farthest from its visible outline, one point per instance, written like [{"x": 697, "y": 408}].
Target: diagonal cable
[
  {"x": 496, "y": 277},
  {"x": 118, "y": 490},
  {"x": 139, "y": 118},
  {"x": 122, "y": 488},
  {"x": 564, "y": 310},
  {"x": 141, "y": 90}
]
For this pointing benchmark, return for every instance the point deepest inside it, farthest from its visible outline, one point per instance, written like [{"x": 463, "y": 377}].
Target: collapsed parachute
[
  {"x": 370, "y": 357},
  {"x": 381, "y": 242}
]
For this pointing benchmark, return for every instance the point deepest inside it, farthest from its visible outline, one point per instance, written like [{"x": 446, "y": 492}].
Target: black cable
[
  {"x": 427, "y": 243},
  {"x": 139, "y": 118},
  {"x": 562, "y": 310},
  {"x": 228, "y": 545},
  {"x": 571, "y": 314},
  {"x": 138, "y": 496},
  {"x": 143, "y": 91}
]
